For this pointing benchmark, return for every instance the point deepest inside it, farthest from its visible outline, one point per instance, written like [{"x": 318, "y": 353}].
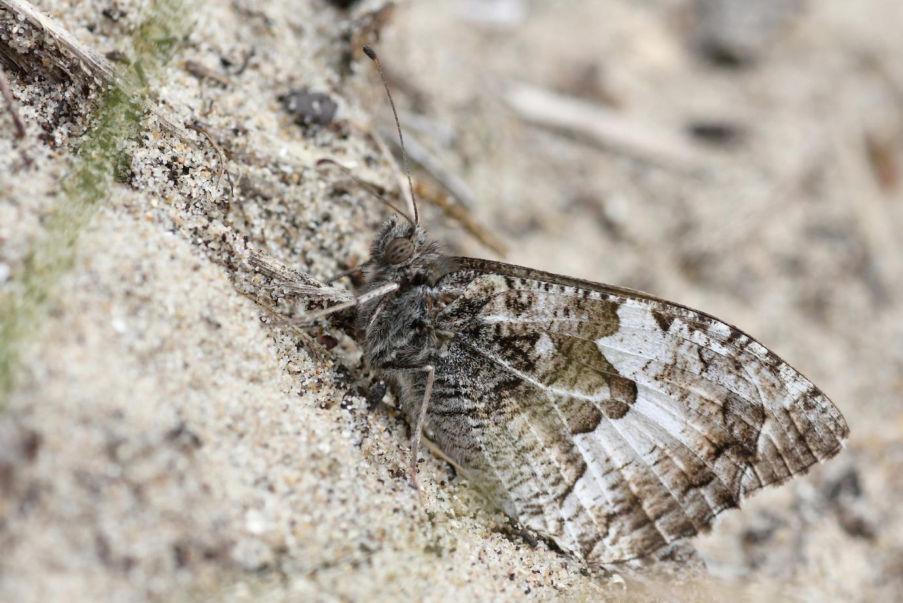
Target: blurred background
[{"x": 162, "y": 436}]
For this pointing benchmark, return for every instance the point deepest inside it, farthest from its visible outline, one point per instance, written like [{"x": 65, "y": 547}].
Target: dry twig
[
  {"x": 455, "y": 211},
  {"x": 92, "y": 63},
  {"x": 605, "y": 128},
  {"x": 426, "y": 161},
  {"x": 294, "y": 283},
  {"x": 202, "y": 72},
  {"x": 63, "y": 51},
  {"x": 462, "y": 215},
  {"x": 221, "y": 167}
]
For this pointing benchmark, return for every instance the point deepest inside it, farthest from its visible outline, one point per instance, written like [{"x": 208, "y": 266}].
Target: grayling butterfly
[{"x": 608, "y": 420}]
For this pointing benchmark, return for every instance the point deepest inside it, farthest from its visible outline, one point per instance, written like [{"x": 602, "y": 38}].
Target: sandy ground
[{"x": 164, "y": 438}]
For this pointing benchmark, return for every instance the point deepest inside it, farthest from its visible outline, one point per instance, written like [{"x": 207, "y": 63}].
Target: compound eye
[{"x": 398, "y": 250}]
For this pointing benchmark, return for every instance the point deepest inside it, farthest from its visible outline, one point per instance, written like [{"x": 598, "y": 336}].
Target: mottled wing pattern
[{"x": 611, "y": 421}]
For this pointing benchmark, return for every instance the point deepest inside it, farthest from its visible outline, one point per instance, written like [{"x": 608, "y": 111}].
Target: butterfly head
[
  {"x": 400, "y": 250},
  {"x": 397, "y": 242}
]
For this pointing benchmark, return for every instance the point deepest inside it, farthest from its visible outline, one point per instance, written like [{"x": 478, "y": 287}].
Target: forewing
[{"x": 612, "y": 421}]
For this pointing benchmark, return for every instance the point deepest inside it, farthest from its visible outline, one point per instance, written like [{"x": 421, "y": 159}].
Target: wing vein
[
  {"x": 586, "y": 507},
  {"x": 627, "y": 482}
]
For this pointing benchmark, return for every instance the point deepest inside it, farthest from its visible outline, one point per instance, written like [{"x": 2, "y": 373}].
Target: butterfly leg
[
  {"x": 421, "y": 419},
  {"x": 375, "y": 293}
]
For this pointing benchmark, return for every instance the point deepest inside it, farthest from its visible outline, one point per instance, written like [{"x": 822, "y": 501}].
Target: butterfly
[{"x": 605, "y": 419}]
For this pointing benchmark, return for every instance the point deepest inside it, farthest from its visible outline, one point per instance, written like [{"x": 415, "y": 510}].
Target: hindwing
[{"x": 608, "y": 420}]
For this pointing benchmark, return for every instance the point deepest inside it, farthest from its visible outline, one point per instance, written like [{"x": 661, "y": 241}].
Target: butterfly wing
[{"x": 608, "y": 420}]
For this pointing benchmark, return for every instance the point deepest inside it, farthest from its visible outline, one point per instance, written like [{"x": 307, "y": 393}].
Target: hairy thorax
[{"x": 397, "y": 329}]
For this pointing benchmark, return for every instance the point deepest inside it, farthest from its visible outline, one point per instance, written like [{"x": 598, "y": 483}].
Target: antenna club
[{"x": 369, "y": 52}]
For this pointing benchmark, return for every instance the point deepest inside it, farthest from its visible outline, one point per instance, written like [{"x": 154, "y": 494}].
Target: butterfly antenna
[
  {"x": 404, "y": 160},
  {"x": 366, "y": 186}
]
